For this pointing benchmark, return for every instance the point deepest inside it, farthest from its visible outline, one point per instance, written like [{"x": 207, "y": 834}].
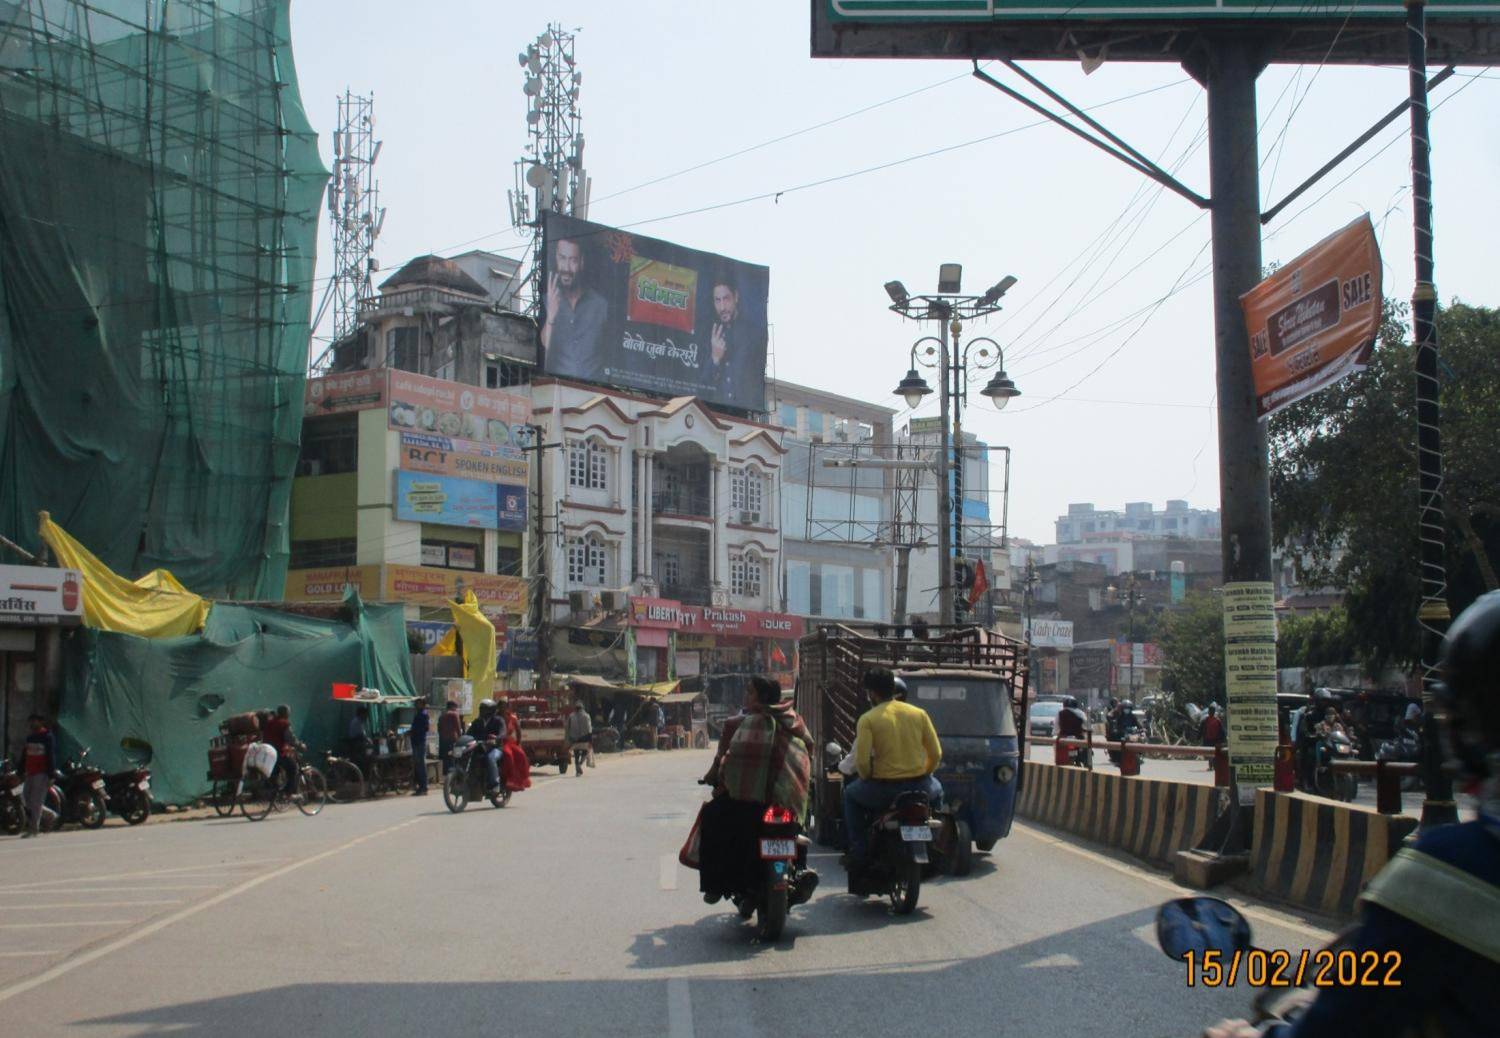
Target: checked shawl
[{"x": 768, "y": 760}]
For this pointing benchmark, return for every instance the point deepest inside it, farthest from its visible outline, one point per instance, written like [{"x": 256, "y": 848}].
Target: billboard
[
  {"x": 454, "y": 409},
  {"x": 1052, "y": 634},
  {"x": 340, "y": 394},
  {"x": 467, "y": 459},
  {"x": 644, "y": 314},
  {"x": 40, "y": 595},
  {"x": 1314, "y": 320},
  {"x": 671, "y": 615},
  {"x": 449, "y": 501}
]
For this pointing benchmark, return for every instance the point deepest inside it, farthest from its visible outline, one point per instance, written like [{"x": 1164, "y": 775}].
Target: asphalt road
[{"x": 566, "y": 914}]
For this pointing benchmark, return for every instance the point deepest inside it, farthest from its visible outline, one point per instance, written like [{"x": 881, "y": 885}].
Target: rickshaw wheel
[
  {"x": 962, "y": 858},
  {"x": 984, "y": 845}
]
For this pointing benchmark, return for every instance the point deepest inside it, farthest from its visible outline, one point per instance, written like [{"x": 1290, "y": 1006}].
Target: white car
[{"x": 1041, "y": 719}]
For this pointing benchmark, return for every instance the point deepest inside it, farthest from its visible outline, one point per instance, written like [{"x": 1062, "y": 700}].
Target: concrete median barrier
[
  {"x": 1152, "y": 819},
  {"x": 1319, "y": 854}
]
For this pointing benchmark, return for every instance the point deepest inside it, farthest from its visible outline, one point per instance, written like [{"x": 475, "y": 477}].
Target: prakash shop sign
[
  {"x": 745, "y": 623},
  {"x": 1314, "y": 320},
  {"x": 40, "y": 595}
]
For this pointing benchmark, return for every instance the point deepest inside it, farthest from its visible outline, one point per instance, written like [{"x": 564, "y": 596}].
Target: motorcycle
[
  {"x": 12, "y": 807},
  {"x": 467, "y": 778},
  {"x": 1336, "y": 785},
  {"x": 782, "y": 878},
  {"x": 129, "y": 794},
  {"x": 898, "y": 844},
  {"x": 1406, "y": 748},
  {"x": 80, "y": 791}
]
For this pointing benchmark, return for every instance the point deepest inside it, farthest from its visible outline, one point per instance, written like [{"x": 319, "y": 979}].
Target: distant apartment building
[{"x": 1139, "y": 519}]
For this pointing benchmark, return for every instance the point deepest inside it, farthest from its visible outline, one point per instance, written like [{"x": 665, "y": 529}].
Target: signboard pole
[
  {"x": 1228, "y": 73},
  {"x": 1438, "y": 807}
]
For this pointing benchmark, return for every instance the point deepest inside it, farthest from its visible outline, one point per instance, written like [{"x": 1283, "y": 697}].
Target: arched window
[
  {"x": 746, "y": 574},
  {"x": 588, "y": 465},
  {"x": 747, "y": 495},
  {"x": 588, "y": 561}
]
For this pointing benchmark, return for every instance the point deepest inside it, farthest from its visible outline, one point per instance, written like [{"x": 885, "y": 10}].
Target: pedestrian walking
[
  {"x": 580, "y": 732},
  {"x": 450, "y": 727},
  {"x": 421, "y": 724},
  {"x": 1213, "y": 730},
  {"x": 40, "y": 752}
]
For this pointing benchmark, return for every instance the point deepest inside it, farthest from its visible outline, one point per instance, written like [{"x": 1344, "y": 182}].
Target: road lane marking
[
  {"x": 55, "y": 926},
  {"x": 1250, "y": 911},
  {"x": 668, "y": 875},
  {"x": 25, "y": 954},
  {"x": 87, "y": 904},
  {"x": 679, "y": 1008},
  {"x": 69, "y": 965},
  {"x": 125, "y": 890},
  {"x": 147, "y": 874}
]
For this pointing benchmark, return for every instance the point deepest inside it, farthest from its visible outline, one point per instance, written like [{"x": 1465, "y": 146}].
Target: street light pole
[{"x": 944, "y": 502}]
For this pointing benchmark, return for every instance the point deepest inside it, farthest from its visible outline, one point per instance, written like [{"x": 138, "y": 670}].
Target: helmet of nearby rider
[
  {"x": 899, "y": 689},
  {"x": 1467, "y": 708},
  {"x": 486, "y": 706},
  {"x": 1071, "y": 702}
]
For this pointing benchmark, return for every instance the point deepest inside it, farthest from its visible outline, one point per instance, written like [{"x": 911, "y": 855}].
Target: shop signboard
[
  {"x": 1138, "y": 654},
  {"x": 327, "y": 584},
  {"x": 37, "y": 596},
  {"x": 744, "y": 623},
  {"x": 1315, "y": 319},
  {"x": 465, "y": 459},
  {"x": 422, "y": 585},
  {"x": 430, "y": 631},
  {"x": 449, "y": 501},
  {"x": 639, "y": 313},
  {"x": 461, "y": 557},
  {"x": 343, "y": 393},
  {"x": 434, "y": 555},
  {"x": 453, "y": 409},
  {"x": 1052, "y": 634}
]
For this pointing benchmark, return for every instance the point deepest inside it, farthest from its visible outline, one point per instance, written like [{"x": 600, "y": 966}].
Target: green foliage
[
  {"x": 1315, "y": 640},
  {"x": 1344, "y": 480},
  {"x": 1192, "y": 643}
]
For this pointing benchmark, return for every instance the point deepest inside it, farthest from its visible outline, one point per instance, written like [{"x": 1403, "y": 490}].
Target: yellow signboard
[{"x": 415, "y": 585}]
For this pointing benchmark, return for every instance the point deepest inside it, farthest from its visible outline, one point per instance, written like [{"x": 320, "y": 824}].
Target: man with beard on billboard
[
  {"x": 573, "y": 332},
  {"x": 736, "y": 345}
]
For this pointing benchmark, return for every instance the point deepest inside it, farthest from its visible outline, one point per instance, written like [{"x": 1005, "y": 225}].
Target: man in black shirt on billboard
[
  {"x": 736, "y": 346},
  {"x": 573, "y": 332}
]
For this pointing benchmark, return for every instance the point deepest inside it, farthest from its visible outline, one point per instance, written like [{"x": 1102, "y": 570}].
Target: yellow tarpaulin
[
  {"x": 479, "y": 644},
  {"x": 155, "y": 606}
]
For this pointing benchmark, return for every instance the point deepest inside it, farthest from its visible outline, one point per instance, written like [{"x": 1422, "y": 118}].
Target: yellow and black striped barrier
[
  {"x": 1150, "y": 818},
  {"x": 1319, "y": 853}
]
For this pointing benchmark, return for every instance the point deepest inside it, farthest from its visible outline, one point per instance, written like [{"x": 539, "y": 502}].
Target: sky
[{"x": 883, "y": 169}]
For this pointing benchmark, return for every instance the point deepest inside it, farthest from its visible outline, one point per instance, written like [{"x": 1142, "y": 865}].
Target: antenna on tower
[
  {"x": 550, "y": 173},
  {"x": 355, "y": 215}
]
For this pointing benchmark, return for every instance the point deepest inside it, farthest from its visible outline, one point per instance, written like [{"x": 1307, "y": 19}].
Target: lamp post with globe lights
[{"x": 949, "y": 307}]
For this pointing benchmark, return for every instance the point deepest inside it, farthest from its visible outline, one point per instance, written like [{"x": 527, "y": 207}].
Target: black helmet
[
  {"x": 1466, "y": 705},
  {"x": 898, "y": 690}
]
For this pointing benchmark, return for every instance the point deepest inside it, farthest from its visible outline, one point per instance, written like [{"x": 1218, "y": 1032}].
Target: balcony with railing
[{"x": 682, "y": 483}]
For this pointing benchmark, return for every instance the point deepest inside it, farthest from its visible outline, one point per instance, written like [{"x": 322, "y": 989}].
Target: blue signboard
[
  {"x": 423, "y": 497},
  {"x": 430, "y": 631}
]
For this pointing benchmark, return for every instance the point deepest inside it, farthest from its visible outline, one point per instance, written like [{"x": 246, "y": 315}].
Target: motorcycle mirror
[{"x": 1199, "y": 924}]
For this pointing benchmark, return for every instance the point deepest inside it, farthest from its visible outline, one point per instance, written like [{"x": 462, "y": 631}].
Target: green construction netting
[
  {"x": 159, "y": 701},
  {"x": 159, "y": 190}
]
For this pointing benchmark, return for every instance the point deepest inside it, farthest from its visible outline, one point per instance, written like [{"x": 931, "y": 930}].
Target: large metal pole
[
  {"x": 945, "y": 505},
  {"x": 960, "y": 394},
  {"x": 1244, "y": 480},
  {"x": 1438, "y": 807}
]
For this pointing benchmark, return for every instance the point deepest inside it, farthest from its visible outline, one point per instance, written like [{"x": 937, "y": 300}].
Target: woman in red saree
[{"x": 515, "y": 769}]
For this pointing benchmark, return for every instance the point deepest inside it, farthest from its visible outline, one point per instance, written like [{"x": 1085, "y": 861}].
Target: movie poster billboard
[
  {"x": 639, "y": 313},
  {"x": 1315, "y": 320}
]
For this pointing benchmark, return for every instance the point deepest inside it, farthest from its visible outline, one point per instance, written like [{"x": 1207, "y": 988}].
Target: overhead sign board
[
  {"x": 449, "y": 501},
  {"x": 1352, "y": 32},
  {"x": 1052, "y": 634},
  {"x": 467, "y": 459},
  {"x": 1314, "y": 320},
  {"x": 667, "y": 614}
]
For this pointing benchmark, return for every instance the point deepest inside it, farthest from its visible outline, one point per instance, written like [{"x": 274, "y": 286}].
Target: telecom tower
[
  {"x": 353, "y": 209},
  {"x": 550, "y": 176}
]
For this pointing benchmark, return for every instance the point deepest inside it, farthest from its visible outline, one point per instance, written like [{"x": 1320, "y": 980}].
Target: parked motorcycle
[
  {"x": 12, "y": 806},
  {"x": 1336, "y": 785},
  {"x": 898, "y": 844},
  {"x": 782, "y": 878},
  {"x": 80, "y": 792},
  {"x": 466, "y": 781},
  {"x": 129, "y": 794}
]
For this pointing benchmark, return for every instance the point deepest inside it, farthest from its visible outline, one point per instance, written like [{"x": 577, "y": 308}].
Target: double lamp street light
[{"x": 949, "y": 307}]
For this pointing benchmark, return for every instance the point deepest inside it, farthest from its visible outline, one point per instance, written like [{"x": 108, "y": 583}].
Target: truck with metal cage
[{"x": 972, "y": 682}]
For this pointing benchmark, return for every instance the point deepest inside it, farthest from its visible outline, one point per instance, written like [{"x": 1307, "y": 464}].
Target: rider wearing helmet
[
  {"x": 1436, "y": 904},
  {"x": 896, "y": 749},
  {"x": 489, "y": 728}
]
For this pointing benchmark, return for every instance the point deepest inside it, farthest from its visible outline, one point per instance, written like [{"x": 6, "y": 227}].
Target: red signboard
[
  {"x": 350, "y": 391},
  {"x": 664, "y": 613}
]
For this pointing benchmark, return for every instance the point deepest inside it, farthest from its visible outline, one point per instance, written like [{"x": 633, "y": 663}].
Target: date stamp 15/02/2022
[{"x": 1279, "y": 968}]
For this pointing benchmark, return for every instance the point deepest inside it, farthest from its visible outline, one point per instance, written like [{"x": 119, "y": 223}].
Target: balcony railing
[
  {"x": 682, "y": 502},
  {"x": 687, "y": 594}
]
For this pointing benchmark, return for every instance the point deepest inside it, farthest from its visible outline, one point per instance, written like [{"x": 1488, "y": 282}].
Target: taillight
[
  {"x": 777, "y": 816},
  {"x": 914, "y": 814}
]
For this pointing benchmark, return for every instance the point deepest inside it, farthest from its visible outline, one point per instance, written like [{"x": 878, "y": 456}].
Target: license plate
[
  {"x": 778, "y": 848},
  {"x": 916, "y": 833},
  {"x": 98, "y": 783}
]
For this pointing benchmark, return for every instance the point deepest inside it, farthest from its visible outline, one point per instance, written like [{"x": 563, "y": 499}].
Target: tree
[
  {"x": 1315, "y": 640},
  {"x": 1192, "y": 644},
  {"x": 1344, "y": 480}
]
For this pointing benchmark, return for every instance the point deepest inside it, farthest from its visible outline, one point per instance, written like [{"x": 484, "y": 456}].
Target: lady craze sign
[{"x": 1314, "y": 320}]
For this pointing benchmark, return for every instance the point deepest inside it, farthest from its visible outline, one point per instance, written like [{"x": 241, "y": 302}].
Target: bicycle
[
  {"x": 346, "y": 782},
  {"x": 309, "y": 789}
]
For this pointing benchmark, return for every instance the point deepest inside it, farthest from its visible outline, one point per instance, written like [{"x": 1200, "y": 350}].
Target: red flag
[
  {"x": 981, "y": 583},
  {"x": 777, "y": 656}
]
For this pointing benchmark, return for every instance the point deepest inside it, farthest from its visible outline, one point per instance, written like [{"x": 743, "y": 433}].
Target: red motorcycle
[
  {"x": 129, "y": 794},
  {"x": 79, "y": 794}
]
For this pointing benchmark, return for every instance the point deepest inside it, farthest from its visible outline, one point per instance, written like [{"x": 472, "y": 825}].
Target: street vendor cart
[
  {"x": 387, "y": 764},
  {"x": 543, "y": 735},
  {"x": 687, "y": 718}
]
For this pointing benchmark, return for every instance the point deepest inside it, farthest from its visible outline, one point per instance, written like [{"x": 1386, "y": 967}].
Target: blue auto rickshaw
[{"x": 972, "y": 712}]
